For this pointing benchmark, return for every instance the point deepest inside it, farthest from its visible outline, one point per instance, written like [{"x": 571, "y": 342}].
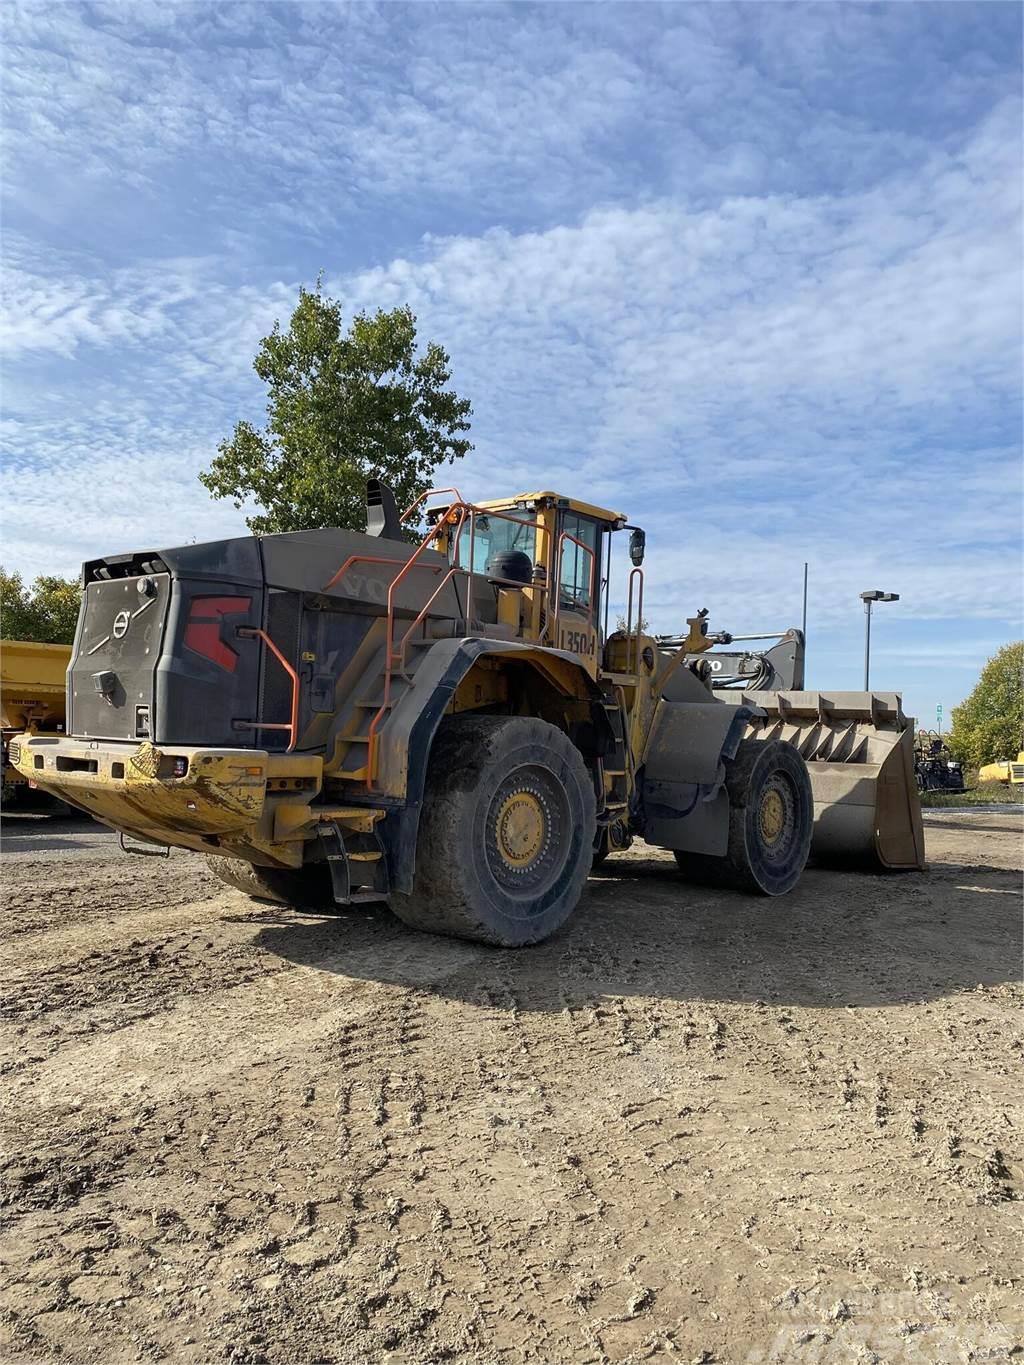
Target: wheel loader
[{"x": 444, "y": 721}]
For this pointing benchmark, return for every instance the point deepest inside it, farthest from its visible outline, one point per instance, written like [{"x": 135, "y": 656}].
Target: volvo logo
[{"x": 122, "y": 621}]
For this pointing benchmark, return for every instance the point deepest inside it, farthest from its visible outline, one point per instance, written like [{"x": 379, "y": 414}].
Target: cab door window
[{"x": 578, "y": 571}]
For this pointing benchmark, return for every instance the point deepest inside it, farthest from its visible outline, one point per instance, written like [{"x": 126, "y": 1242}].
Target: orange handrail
[
  {"x": 432, "y": 493},
  {"x": 369, "y": 559},
  {"x": 457, "y": 514},
  {"x": 389, "y": 656},
  {"x": 253, "y": 632},
  {"x": 464, "y": 510},
  {"x": 399, "y": 656}
]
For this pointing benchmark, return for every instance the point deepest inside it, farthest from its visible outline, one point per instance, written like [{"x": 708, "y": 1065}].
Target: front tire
[
  {"x": 506, "y": 835},
  {"x": 771, "y": 819}
]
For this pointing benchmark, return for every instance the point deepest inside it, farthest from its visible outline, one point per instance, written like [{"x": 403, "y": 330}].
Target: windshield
[{"x": 492, "y": 535}]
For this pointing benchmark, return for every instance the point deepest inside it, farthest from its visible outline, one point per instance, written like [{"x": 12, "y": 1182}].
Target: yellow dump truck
[{"x": 32, "y": 691}]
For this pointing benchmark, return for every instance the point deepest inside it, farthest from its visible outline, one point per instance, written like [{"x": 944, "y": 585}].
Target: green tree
[
  {"x": 48, "y": 611},
  {"x": 341, "y": 407},
  {"x": 989, "y": 725}
]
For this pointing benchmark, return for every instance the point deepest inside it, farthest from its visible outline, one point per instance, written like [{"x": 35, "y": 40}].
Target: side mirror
[{"x": 637, "y": 544}]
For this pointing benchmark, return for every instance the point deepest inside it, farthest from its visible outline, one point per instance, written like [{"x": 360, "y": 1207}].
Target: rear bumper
[{"x": 152, "y": 791}]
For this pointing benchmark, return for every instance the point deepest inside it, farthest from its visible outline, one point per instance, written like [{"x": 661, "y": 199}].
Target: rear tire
[
  {"x": 771, "y": 819},
  {"x": 309, "y": 885},
  {"x": 506, "y": 833}
]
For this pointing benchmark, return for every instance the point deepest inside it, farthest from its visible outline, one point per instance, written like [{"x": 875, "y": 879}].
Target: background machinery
[
  {"x": 1008, "y": 770},
  {"x": 449, "y": 724},
  {"x": 32, "y": 691},
  {"x": 934, "y": 770}
]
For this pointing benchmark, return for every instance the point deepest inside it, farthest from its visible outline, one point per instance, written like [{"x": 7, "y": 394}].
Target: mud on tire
[
  {"x": 771, "y": 818},
  {"x": 506, "y": 833},
  {"x": 310, "y": 885}
]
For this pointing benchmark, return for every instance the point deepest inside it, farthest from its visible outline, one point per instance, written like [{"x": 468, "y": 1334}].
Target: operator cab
[{"x": 563, "y": 600}]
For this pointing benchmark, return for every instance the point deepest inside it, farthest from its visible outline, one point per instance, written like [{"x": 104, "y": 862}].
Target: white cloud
[{"x": 758, "y": 283}]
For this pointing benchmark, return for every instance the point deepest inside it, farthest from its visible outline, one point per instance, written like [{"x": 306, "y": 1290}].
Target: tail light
[{"x": 205, "y": 622}]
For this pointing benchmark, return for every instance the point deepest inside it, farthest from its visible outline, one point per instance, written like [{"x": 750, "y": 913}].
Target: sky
[{"x": 751, "y": 274}]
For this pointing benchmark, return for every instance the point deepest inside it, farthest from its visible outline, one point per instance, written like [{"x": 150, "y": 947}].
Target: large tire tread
[
  {"x": 734, "y": 869},
  {"x": 308, "y": 885},
  {"x": 446, "y": 895}
]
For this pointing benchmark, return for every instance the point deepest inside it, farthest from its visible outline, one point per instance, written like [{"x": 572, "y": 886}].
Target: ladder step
[
  {"x": 376, "y": 702},
  {"x": 365, "y": 857}
]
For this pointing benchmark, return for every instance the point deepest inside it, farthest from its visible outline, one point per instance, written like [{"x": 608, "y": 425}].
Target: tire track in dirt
[
  {"x": 685, "y": 1127},
  {"x": 41, "y": 893},
  {"x": 615, "y": 1275},
  {"x": 110, "y": 991}
]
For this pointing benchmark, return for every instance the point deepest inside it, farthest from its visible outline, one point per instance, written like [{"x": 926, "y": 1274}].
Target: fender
[
  {"x": 682, "y": 801},
  {"x": 406, "y": 740}
]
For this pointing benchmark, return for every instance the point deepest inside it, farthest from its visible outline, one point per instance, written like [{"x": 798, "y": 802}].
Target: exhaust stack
[{"x": 382, "y": 517}]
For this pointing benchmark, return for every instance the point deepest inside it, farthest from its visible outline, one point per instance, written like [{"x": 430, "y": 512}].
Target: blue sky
[{"x": 751, "y": 273}]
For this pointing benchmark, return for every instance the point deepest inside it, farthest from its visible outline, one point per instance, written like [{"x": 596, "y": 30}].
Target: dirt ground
[{"x": 694, "y": 1126}]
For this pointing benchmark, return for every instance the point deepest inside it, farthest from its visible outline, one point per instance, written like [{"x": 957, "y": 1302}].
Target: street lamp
[{"x": 867, "y": 598}]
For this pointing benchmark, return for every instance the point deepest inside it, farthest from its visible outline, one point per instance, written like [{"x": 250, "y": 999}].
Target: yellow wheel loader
[{"x": 335, "y": 717}]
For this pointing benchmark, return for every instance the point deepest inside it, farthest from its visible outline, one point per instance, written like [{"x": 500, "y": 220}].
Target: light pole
[{"x": 867, "y": 598}]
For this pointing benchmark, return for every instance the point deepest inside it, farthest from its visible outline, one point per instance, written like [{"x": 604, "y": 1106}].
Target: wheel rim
[
  {"x": 527, "y": 831},
  {"x": 777, "y": 816},
  {"x": 521, "y": 828}
]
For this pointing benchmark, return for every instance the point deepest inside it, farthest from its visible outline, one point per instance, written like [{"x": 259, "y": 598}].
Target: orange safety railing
[
  {"x": 456, "y": 514},
  {"x": 292, "y": 726},
  {"x": 432, "y": 493},
  {"x": 390, "y": 655},
  {"x": 368, "y": 559}
]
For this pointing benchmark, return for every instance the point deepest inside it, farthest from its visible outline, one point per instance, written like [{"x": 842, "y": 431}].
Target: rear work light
[
  {"x": 180, "y": 767},
  {"x": 205, "y": 622}
]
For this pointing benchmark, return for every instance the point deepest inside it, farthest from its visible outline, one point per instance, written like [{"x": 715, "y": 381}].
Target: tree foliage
[
  {"x": 341, "y": 407},
  {"x": 989, "y": 725},
  {"x": 641, "y": 625},
  {"x": 47, "y": 611}
]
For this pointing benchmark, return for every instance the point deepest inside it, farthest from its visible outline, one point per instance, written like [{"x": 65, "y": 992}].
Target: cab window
[
  {"x": 493, "y": 534},
  {"x": 578, "y": 572}
]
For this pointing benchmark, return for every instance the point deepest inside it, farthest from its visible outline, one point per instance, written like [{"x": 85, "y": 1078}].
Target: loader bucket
[{"x": 859, "y": 750}]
